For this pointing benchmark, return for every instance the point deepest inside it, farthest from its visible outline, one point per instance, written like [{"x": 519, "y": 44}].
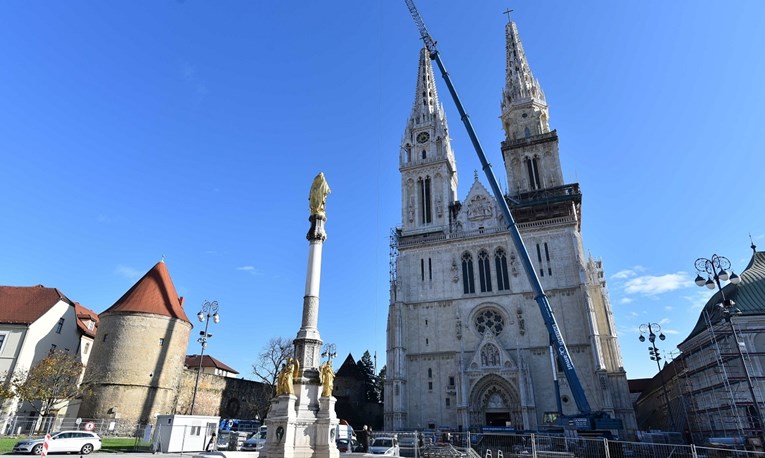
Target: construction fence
[
  {"x": 507, "y": 445},
  {"x": 410, "y": 444}
]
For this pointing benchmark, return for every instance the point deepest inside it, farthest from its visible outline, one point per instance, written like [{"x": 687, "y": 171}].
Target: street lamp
[
  {"x": 718, "y": 269},
  {"x": 651, "y": 329},
  {"x": 209, "y": 310},
  {"x": 329, "y": 352}
]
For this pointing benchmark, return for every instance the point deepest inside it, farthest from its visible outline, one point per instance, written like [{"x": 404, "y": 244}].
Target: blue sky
[{"x": 132, "y": 130}]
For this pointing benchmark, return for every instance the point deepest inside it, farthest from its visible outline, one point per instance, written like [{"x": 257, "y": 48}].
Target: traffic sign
[{"x": 90, "y": 426}]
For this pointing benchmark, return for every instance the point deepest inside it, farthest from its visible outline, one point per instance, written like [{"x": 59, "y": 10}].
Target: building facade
[
  {"x": 466, "y": 343},
  {"x": 35, "y": 320}
]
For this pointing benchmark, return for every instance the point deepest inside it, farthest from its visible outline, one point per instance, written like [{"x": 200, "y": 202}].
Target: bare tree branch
[{"x": 270, "y": 360}]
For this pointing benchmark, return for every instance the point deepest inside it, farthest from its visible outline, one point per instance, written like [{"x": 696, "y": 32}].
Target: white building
[
  {"x": 209, "y": 365},
  {"x": 34, "y": 321},
  {"x": 467, "y": 345}
]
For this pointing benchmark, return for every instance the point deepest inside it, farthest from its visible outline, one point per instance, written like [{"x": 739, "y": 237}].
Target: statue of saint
[
  {"x": 284, "y": 382},
  {"x": 317, "y": 198},
  {"x": 327, "y": 378}
]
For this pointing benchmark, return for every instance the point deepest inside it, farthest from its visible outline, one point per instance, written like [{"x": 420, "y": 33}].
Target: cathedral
[{"x": 466, "y": 343}]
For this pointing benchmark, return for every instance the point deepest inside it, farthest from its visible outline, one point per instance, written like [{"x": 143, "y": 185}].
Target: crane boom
[{"x": 539, "y": 295}]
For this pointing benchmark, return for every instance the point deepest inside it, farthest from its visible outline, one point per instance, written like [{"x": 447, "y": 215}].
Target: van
[{"x": 343, "y": 431}]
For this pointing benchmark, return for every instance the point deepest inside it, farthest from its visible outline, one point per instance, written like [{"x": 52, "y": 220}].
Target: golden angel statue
[
  {"x": 286, "y": 378},
  {"x": 327, "y": 378}
]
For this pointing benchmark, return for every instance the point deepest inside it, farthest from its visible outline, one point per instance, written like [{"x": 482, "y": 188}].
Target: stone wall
[{"x": 223, "y": 396}]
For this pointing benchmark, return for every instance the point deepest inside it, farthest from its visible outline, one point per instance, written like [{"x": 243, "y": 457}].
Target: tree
[
  {"x": 367, "y": 367},
  {"x": 381, "y": 382},
  {"x": 50, "y": 382},
  {"x": 270, "y": 360}
]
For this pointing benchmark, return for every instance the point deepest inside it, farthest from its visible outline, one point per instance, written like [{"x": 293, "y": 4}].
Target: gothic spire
[
  {"x": 520, "y": 85},
  {"x": 426, "y": 102}
]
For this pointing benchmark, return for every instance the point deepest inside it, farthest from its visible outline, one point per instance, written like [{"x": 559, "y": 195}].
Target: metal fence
[
  {"x": 414, "y": 444},
  {"x": 502, "y": 445},
  {"x": 26, "y": 426}
]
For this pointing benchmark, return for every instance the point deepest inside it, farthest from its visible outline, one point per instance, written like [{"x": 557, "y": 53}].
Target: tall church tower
[
  {"x": 467, "y": 345},
  {"x": 428, "y": 172}
]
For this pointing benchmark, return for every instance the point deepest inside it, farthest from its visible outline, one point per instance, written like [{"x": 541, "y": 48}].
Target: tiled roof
[
  {"x": 25, "y": 304},
  {"x": 749, "y": 295},
  {"x": 154, "y": 293},
  {"x": 192, "y": 361},
  {"x": 84, "y": 315},
  {"x": 349, "y": 368}
]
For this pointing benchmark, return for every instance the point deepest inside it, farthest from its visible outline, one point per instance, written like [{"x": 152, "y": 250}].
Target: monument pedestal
[{"x": 302, "y": 425}]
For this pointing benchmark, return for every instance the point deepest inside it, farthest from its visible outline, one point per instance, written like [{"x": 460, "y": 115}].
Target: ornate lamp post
[
  {"x": 651, "y": 329},
  {"x": 718, "y": 269},
  {"x": 209, "y": 310},
  {"x": 329, "y": 352}
]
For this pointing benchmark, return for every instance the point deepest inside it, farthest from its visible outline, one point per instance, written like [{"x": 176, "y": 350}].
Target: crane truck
[{"x": 586, "y": 419}]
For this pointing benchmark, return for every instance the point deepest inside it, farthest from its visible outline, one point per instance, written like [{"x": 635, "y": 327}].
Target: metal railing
[{"x": 503, "y": 445}]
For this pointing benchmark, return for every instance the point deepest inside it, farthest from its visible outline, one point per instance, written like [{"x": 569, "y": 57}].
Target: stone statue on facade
[
  {"x": 317, "y": 197},
  {"x": 327, "y": 378}
]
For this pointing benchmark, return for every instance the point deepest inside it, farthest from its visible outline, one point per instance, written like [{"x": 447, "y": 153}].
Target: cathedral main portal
[{"x": 495, "y": 402}]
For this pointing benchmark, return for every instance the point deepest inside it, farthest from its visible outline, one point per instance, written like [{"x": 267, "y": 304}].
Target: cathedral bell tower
[
  {"x": 530, "y": 149},
  {"x": 428, "y": 171}
]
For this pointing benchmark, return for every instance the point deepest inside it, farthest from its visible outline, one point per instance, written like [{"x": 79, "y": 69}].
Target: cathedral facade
[{"x": 466, "y": 343}]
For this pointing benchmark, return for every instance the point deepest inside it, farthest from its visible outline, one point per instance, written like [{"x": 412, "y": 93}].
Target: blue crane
[{"x": 586, "y": 418}]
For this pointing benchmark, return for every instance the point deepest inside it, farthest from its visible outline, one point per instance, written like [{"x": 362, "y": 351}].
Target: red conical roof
[{"x": 154, "y": 293}]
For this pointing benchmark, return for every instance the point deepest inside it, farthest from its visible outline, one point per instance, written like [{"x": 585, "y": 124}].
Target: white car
[
  {"x": 255, "y": 442},
  {"x": 82, "y": 442},
  {"x": 384, "y": 446}
]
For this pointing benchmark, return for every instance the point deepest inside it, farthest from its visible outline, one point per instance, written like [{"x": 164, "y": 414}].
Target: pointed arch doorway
[{"x": 495, "y": 402}]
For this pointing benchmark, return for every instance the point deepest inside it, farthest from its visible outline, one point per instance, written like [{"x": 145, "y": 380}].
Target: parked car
[
  {"x": 256, "y": 441},
  {"x": 82, "y": 442},
  {"x": 342, "y": 445},
  {"x": 384, "y": 446}
]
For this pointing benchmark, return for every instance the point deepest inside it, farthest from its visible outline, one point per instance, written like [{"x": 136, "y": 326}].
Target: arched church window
[
  {"x": 430, "y": 373},
  {"x": 424, "y": 154},
  {"x": 484, "y": 272},
  {"x": 489, "y": 320},
  {"x": 489, "y": 355},
  {"x": 526, "y": 132},
  {"x": 500, "y": 265},
  {"x": 532, "y": 167},
  {"x": 426, "y": 200},
  {"x": 468, "y": 282}
]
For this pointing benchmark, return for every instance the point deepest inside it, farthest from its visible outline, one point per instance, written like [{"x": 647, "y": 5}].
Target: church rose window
[{"x": 489, "y": 320}]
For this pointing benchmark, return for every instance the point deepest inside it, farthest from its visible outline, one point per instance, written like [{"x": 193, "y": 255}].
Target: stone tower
[
  {"x": 139, "y": 351},
  {"x": 428, "y": 171},
  {"x": 467, "y": 345}
]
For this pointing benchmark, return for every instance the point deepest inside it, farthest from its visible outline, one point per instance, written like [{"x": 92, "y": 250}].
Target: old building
[
  {"x": 466, "y": 343},
  {"x": 138, "y": 357},
  {"x": 351, "y": 394},
  {"x": 208, "y": 365},
  {"x": 716, "y": 386},
  {"x": 35, "y": 320}
]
